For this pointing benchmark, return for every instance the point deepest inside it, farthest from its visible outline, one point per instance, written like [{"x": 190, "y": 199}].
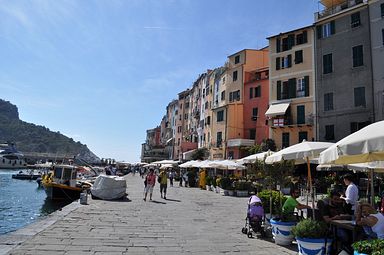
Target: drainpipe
[{"x": 372, "y": 78}]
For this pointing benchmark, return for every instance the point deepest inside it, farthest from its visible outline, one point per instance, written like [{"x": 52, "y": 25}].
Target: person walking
[
  {"x": 150, "y": 181},
  {"x": 351, "y": 193},
  {"x": 163, "y": 184},
  {"x": 171, "y": 176}
]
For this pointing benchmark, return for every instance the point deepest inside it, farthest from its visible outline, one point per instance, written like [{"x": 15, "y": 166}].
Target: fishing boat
[
  {"x": 61, "y": 183},
  {"x": 10, "y": 157},
  {"x": 27, "y": 175}
]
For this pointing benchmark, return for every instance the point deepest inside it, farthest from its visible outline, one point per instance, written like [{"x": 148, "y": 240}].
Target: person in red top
[{"x": 150, "y": 183}]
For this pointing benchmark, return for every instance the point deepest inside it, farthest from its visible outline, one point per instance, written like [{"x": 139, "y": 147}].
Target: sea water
[{"x": 22, "y": 202}]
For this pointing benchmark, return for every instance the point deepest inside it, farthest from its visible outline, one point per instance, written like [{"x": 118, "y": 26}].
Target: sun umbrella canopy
[
  {"x": 365, "y": 145},
  {"x": 166, "y": 161},
  {"x": 252, "y": 158},
  {"x": 189, "y": 164},
  {"x": 226, "y": 164},
  {"x": 298, "y": 152}
]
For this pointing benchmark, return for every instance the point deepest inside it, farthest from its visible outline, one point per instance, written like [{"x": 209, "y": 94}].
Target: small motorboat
[
  {"x": 27, "y": 175},
  {"x": 109, "y": 187}
]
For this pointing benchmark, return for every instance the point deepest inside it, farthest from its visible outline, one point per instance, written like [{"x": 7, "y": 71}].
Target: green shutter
[
  {"x": 319, "y": 31},
  {"x": 305, "y": 37},
  {"x": 250, "y": 92},
  {"x": 300, "y": 114},
  {"x": 278, "y": 90},
  {"x": 306, "y": 84},
  {"x": 278, "y": 45},
  {"x": 277, "y": 63},
  {"x": 289, "y": 60},
  {"x": 333, "y": 30},
  {"x": 292, "y": 88}
]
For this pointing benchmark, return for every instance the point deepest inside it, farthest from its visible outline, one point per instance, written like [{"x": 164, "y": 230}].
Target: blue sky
[{"x": 102, "y": 72}]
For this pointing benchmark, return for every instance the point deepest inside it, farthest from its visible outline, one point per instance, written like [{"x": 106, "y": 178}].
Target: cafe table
[{"x": 347, "y": 225}]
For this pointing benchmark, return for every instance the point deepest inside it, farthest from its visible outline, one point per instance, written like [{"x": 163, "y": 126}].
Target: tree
[
  {"x": 268, "y": 144},
  {"x": 200, "y": 154}
]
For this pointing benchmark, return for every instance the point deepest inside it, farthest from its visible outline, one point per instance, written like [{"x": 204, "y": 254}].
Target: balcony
[
  {"x": 335, "y": 6},
  {"x": 284, "y": 121},
  {"x": 240, "y": 142}
]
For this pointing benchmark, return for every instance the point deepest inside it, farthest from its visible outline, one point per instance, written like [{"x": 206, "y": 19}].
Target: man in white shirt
[{"x": 351, "y": 193}]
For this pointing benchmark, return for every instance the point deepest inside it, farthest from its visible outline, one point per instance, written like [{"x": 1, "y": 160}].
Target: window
[
  {"x": 300, "y": 91},
  {"x": 325, "y": 30},
  {"x": 359, "y": 96},
  {"x": 286, "y": 62},
  {"x": 208, "y": 121},
  {"x": 298, "y": 56},
  {"x": 234, "y": 96},
  {"x": 300, "y": 114},
  {"x": 278, "y": 45},
  {"x": 255, "y": 112},
  {"x": 252, "y": 134},
  {"x": 220, "y": 116},
  {"x": 234, "y": 76},
  {"x": 303, "y": 136},
  {"x": 327, "y": 63},
  {"x": 250, "y": 93},
  {"x": 277, "y": 63},
  {"x": 328, "y": 101},
  {"x": 219, "y": 138},
  {"x": 301, "y": 38},
  {"x": 382, "y": 10},
  {"x": 355, "y": 126},
  {"x": 206, "y": 105},
  {"x": 355, "y": 20},
  {"x": 223, "y": 95},
  {"x": 285, "y": 140},
  {"x": 357, "y": 53},
  {"x": 258, "y": 91},
  {"x": 329, "y": 132},
  {"x": 237, "y": 59}
]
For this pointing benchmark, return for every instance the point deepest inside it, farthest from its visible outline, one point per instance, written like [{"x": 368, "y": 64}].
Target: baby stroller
[{"x": 255, "y": 218}]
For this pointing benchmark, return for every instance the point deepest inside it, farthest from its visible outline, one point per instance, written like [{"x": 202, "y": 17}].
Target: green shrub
[
  {"x": 208, "y": 180},
  {"x": 370, "y": 247},
  {"x": 243, "y": 185},
  {"x": 309, "y": 228},
  {"x": 276, "y": 208},
  {"x": 226, "y": 183}
]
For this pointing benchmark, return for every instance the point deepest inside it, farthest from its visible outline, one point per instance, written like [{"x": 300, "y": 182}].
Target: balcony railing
[
  {"x": 340, "y": 6},
  {"x": 287, "y": 122}
]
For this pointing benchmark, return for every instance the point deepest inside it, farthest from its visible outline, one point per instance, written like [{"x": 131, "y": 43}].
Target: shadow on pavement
[
  {"x": 173, "y": 200},
  {"x": 157, "y": 202}
]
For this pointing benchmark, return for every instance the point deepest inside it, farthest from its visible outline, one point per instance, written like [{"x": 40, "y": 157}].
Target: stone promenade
[{"x": 190, "y": 221}]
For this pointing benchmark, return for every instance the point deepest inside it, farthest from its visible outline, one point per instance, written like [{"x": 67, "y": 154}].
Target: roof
[{"x": 302, "y": 28}]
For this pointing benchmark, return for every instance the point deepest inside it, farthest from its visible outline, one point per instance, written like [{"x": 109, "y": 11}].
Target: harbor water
[{"x": 22, "y": 202}]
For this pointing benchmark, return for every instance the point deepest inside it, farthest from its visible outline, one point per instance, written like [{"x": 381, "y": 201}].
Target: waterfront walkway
[{"x": 190, "y": 221}]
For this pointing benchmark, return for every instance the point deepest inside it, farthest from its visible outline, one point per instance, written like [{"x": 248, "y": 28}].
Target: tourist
[
  {"x": 171, "y": 176},
  {"x": 371, "y": 220},
  {"x": 290, "y": 204},
  {"x": 333, "y": 208},
  {"x": 351, "y": 193},
  {"x": 150, "y": 183},
  {"x": 163, "y": 184}
]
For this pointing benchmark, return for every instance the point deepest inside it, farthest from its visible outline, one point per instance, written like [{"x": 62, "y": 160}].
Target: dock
[{"x": 190, "y": 221}]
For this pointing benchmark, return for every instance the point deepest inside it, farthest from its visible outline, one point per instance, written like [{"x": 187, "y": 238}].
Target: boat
[
  {"x": 10, "y": 157},
  {"x": 27, "y": 175},
  {"x": 61, "y": 183}
]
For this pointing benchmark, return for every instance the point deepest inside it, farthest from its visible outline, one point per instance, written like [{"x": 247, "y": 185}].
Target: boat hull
[{"x": 61, "y": 192}]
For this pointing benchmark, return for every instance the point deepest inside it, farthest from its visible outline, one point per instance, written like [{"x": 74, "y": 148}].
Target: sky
[{"x": 103, "y": 71}]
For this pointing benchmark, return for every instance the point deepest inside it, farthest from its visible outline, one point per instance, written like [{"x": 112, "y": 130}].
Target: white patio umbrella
[
  {"x": 300, "y": 153},
  {"x": 166, "y": 161},
  {"x": 226, "y": 165},
  {"x": 253, "y": 158},
  {"x": 189, "y": 164},
  {"x": 365, "y": 145},
  {"x": 166, "y": 166}
]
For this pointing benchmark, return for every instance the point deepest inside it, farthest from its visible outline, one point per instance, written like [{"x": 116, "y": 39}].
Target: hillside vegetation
[{"x": 29, "y": 137}]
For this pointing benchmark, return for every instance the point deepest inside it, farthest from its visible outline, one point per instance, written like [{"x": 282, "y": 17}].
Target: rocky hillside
[{"x": 33, "y": 138}]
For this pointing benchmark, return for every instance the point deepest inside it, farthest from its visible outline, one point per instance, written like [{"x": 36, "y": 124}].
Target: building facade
[{"x": 344, "y": 71}]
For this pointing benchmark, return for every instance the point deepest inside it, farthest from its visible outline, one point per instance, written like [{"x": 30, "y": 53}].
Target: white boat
[{"x": 10, "y": 157}]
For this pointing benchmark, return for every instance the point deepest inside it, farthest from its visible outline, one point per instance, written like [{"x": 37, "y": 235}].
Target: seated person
[
  {"x": 371, "y": 220},
  {"x": 290, "y": 205},
  {"x": 333, "y": 208}
]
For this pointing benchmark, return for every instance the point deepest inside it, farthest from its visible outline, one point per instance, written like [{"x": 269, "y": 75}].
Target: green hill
[{"x": 33, "y": 138}]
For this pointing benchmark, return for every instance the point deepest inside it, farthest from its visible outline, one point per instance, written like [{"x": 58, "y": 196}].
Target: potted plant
[
  {"x": 208, "y": 182},
  {"x": 242, "y": 187},
  {"x": 311, "y": 237},
  {"x": 226, "y": 185},
  {"x": 369, "y": 247}
]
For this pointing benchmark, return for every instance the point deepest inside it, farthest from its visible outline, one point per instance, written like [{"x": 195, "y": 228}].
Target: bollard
[{"x": 83, "y": 198}]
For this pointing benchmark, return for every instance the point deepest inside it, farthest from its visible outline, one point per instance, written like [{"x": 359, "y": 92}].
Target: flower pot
[
  {"x": 310, "y": 246},
  {"x": 242, "y": 193},
  {"x": 224, "y": 192},
  {"x": 231, "y": 193},
  {"x": 207, "y": 187},
  {"x": 281, "y": 232}
]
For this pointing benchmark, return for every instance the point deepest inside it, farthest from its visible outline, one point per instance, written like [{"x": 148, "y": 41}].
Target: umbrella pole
[
  {"x": 311, "y": 188},
  {"x": 372, "y": 189}
]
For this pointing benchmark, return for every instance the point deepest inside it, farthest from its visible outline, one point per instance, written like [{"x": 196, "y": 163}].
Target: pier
[{"x": 190, "y": 221}]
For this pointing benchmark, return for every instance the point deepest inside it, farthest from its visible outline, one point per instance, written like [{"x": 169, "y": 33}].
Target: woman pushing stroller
[{"x": 255, "y": 217}]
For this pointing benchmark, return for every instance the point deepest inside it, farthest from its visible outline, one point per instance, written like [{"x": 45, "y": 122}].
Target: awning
[
  {"x": 188, "y": 154},
  {"x": 169, "y": 140},
  {"x": 277, "y": 109}
]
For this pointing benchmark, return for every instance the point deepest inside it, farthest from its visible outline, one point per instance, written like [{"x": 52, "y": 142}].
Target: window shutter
[
  {"x": 292, "y": 88},
  {"x": 278, "y": 90},
  {"x": 291, "y": 41},
  {"x": 250, "y": 92},
  {"x": 305, "y": 37},
  {"x": 230, "y": 96},
  {"x": 277, "y": 63},
  {"x": 306, "y": 85},
  {"x": 318, "y": 31},
  {"x": 289, "y": 60},
  {"x": 333, "y": 27},
  {"x": 278, "y": 45}
]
